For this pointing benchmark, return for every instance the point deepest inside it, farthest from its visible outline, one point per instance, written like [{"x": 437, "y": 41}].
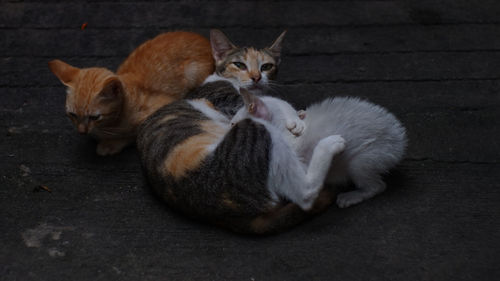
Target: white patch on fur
[
  {"x": 211, "y": 113},
  {"x": 220, "y": 119},
  {"x": 214, "y": 78}
]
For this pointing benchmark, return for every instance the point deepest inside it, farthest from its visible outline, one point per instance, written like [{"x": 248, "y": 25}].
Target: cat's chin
[{"x": 256, "y": 89}]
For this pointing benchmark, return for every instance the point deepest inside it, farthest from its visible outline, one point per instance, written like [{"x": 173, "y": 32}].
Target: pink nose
[{"x": 256, "y": 78}]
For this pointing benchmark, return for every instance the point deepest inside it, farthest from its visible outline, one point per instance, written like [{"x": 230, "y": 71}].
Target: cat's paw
[
  {"x": 308, "y": 201},
  {"x": 350, "y": 198},
  {"x": 296, "y": 126},
  {"x": 110, "y": 147},
  {"x": 302, "y": 114},
  {"x": 333, "y": 144}
]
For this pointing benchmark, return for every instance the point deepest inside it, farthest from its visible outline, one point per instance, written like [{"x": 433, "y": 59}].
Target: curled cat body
[
  {"x": 244, "y": 177},
  {"x": 110, "y": 106},
  {"x": 375, "y": 140},
  {"x": 241, "y": 177}
]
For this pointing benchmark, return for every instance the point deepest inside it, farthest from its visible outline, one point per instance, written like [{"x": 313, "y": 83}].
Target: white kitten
[
  {"x": 289, "y": 177},
  {"x": 375, "y": 141}
]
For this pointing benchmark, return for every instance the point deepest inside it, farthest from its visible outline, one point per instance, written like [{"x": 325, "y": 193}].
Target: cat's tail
[{"x": 284, "y": 216}]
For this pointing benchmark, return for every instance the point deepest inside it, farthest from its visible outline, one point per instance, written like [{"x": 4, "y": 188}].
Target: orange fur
[
  {"x": 188, "y": 155},
  {"x": 157, "y": 73}
]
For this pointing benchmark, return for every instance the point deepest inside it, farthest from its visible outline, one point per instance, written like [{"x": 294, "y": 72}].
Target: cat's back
[
  {"x": 171, "y": 61},
  {"x": 202, "y": 167},
  {"x": 352, "y": 116},
  {"x": 367, "y": 128}
]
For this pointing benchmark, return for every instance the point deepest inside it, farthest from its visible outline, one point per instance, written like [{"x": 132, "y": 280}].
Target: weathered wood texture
[{"x": 435, "y": 64}]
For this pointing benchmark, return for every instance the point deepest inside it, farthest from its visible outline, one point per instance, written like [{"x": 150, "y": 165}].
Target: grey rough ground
[{"x": 435, "y": 64}]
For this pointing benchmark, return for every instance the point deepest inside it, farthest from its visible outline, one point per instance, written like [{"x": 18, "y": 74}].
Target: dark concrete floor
[{"x": 435, "y": 64}]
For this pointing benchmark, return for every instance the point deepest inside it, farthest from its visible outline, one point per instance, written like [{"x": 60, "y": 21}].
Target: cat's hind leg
[
  {"x": 367, "y": 186},
  {"x": 319, "y": 165}
]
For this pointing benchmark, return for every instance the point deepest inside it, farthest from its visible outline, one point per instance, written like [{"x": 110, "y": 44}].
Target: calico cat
[
  {"x": 205, "y": 168},
  {"x": 110, "y": 106},
  {"x": 241, "y": 177},
  {"x": 246, "y": 67},
  {"x": 375, "y": 139},
  {"x": 241, "y": 67}
]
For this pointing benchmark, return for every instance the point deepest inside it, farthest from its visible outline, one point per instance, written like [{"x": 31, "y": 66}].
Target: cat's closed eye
[
  {"x": 95, "y": 117},
  {"x": 240, "y": 65},
  {"x": 266, "y": 67},
  {"x": 72, "y": 115}
]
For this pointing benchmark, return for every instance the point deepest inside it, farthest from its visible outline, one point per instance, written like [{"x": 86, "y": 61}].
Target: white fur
[
  {"x": 289, "y": 177},
  {"x": 215, "y": 116},
  {"x": 211, "y": 113},
  {"x": 375, "y": 142}
]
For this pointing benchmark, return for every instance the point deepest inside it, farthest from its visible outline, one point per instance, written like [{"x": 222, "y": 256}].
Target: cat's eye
[
  {"x": 240, "y": 65},
  {"x": 266, "y": 67},
  {"x": 95, "y": 117},
  {"x": 72, "y": 115}
]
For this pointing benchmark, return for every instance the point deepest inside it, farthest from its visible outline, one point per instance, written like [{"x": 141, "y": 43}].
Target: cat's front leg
[
  {"x": 110, "y": 147},
  {"x": 302, "y": 114},
  {"x": 295, "y": 124}
]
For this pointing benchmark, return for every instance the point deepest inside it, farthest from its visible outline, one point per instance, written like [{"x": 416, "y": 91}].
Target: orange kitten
[{"x": 110, "y": 106}]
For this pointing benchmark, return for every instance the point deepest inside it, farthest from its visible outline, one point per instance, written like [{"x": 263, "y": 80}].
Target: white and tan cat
[
  {"x": 110, "y": 106},
  {"x": 246, "y": 67}
]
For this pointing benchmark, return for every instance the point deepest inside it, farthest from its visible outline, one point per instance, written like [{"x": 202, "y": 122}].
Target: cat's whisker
[{"x": 104, "y": 132}]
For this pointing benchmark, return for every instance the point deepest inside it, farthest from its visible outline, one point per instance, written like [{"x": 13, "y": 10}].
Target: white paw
[
  {"x": 309, "y": 199},
  {"x": 302, "y": 114},
  {"x": 347, "y": 199},
  {"x": 296, "y": 127},
  {"x": 334, "y": 144}
]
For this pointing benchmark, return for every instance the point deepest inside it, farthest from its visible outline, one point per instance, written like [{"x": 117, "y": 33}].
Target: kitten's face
[
  {"x": 252, "y": 69},
  {"x": 94, "y": 96},
  {"x": 275, "y": 111}
]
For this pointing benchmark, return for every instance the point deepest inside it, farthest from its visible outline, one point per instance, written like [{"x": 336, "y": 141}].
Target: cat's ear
[
  {"x": 112, "y": 90},
  {"x": 65, "y": 72},
  {"x": 255, "y": 106},
  {"x": 220, "y": 44},
  {"x": 276, "y": 47}
]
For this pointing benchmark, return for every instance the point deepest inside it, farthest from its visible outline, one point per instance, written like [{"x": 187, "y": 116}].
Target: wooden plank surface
[{"x": 435, "y": 64}]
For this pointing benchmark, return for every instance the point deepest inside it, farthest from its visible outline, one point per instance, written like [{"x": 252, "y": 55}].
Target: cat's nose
[
  {"x": 256, "y": 78},
  {"x": 82, "y": 129}
]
